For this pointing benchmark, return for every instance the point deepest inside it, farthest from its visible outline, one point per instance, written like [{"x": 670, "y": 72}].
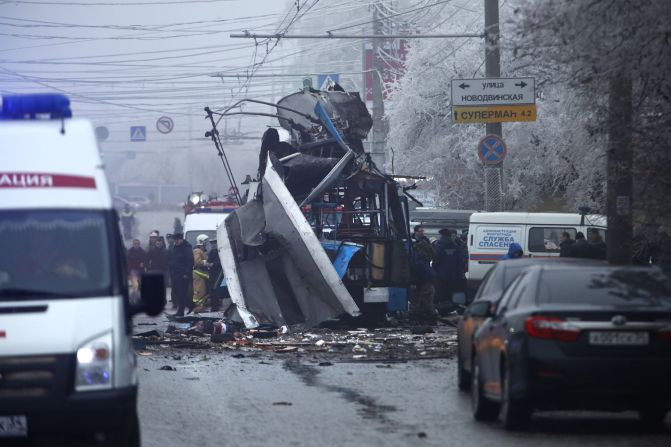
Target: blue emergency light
[{"x": 55, "y": 105}]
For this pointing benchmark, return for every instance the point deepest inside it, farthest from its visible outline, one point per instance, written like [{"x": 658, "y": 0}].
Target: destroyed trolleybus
[{"x": 323, "y": 232}]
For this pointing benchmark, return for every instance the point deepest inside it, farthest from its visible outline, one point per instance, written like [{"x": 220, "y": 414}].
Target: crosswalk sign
[
  {"x": 138, "y": 133},
  {"x": 324, "y": 81}
]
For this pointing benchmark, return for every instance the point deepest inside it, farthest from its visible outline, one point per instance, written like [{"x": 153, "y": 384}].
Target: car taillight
[
  {"x": 551, "y": 328},
  {"x": 664, "y": 335}
]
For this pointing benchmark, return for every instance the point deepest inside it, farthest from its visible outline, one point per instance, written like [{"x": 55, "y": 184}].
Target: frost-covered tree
[
  {"x": 605, "y": 50},
  {"x": 552, "y": 157}
]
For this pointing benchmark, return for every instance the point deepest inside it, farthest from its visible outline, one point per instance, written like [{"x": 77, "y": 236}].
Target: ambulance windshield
[{"x": 54, "y": 254}]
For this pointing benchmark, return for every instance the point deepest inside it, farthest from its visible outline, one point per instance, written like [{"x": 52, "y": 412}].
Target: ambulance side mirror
[{"x": 152, "y": 294}]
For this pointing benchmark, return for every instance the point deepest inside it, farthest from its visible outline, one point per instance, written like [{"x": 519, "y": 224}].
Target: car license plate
[
  {"x": 13, "y": 426},
  {"x": 611, "y": 338}
]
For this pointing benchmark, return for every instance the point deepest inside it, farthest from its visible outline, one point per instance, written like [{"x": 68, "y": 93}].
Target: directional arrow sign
[{"x": 493, "y": 91}]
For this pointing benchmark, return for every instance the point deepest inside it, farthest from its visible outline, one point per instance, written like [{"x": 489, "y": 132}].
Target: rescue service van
[
  {"x": 67, "y": 362},
  {"x": 490, "y": 235}
]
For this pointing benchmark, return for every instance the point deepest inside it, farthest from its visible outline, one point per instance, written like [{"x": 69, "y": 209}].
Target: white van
[
  {"x": 490, "y": 235},
  {"x": 201, "y": 222},
  {"x": 66, "y": 357}
]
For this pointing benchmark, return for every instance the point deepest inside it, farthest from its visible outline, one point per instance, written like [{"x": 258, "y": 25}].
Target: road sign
[
  {"x": 326, "y": 80},
  {"x": 493, "y": 91},
  {"x": 165, "y": 124},
  {"x": 138, "y": 133},
  {"x": 102, "y": 133},
  {"x": 492, "y": 150},
  {"x": 494, "y": 114}
]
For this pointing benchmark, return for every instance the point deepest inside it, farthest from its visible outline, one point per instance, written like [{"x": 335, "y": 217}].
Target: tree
[
  {"x": 552, "y": 157},
  {"x": 616, "y": 52}
]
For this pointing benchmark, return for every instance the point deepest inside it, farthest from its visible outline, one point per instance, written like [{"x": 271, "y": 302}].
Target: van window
[
  {"x": 547, "y": 239},
  {"x": 54, "y": 254}
]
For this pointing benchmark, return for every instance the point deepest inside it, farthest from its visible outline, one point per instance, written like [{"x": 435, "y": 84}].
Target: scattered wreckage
[
  {"x": 385, "y": 345},
  {"x": 321, "y": 231}
]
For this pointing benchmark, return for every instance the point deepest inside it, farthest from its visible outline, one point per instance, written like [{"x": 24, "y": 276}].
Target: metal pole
[
  {"x": 493, "y": 174},
  {"x": 379, "y": 134},
  {"x": 619, "y": 165}
]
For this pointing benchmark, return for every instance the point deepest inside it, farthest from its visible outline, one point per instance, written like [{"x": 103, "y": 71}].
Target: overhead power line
[{"x": 328, "y": 35}]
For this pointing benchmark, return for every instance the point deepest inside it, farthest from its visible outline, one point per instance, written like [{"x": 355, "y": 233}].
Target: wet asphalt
[
  {"x": 259, "y": 399},
  {"x": 252, "y": 398}
]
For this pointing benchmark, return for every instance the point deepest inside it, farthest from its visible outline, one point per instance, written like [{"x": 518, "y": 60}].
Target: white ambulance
[
  {"x": 66, "y": 357},
  {"x": 490, "y": 235}
]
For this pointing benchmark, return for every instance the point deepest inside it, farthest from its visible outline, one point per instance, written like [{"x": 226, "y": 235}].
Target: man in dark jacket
[
  {"x": 449, "y": 267},
  {"x": 421, "y": 305},
  {"x": 565, "y": 244},
  {"x": 136, "y": 258},
  {"x": 581, "y": 248},
  {"x": 597, "y": 245},
  {"x": 181, "y": 274}
]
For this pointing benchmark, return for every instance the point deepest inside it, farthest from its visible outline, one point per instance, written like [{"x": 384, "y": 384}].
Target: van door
[{"x": 487, "y": 243}]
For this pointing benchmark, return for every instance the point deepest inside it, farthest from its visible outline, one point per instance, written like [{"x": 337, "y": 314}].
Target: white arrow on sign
[{"x": 493, "y": 91}]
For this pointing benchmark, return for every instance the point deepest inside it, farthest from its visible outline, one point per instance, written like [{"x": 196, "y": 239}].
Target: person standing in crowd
[
  {"x": 136, "y": 258},
  {"x": 515, "y": 251},
  {"x": 136, "y": 261},
  {"x": 152, "y": 239},
  {"x": 181, "y": 276},
  {"x": 215, "y": 272},
  {"x": 127, "y": 221},
  {"x": 418, "y": 235},
  {"x": 158, "y": 258},
  {"x": 422, "y": 307},
  {"x": 565, "y": 244},
  {"x": 580, "y": 248},
  {"x": 200, "y": 272},
  {"x": 449, "y": 268},
  {"x": 597, "y": 245},
  {"x": 170, "y": 242}
]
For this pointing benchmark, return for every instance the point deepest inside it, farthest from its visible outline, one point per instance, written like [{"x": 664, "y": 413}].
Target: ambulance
[
  {"x": 490, "y": 235},
  {"x": 67, "y": 363}
]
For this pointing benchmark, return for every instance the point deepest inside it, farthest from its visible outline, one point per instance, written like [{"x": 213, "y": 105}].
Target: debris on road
[
  {"x": 386, "y": 345},
  {"x": 167, "y": 368}
]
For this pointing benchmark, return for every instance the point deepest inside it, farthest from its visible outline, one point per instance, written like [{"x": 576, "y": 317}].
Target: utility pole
[
  {"x": 379, "y": 135},
  {"x": 493, "y": 174},
  {"x": 619, "y": 165}
]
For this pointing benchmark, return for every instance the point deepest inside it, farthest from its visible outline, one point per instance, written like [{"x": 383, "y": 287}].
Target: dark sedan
[
  {"x": 491, "y": 289},
  {"x": 575, "y": 337}
]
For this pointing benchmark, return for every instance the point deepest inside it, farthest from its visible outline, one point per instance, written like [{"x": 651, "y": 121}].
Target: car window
[
  {"x": 520, "y": 291},
  {"x": 621, "y": 287},
  {"x": 547, "y": 239},
  {"x": 509, "y": 294},
  {"x": 493, "y": 280}
]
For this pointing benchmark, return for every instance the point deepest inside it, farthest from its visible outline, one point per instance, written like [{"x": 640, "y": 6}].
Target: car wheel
[
  {"x": 463, "y": 376},
  {"x": 514, "y": 414},
  {"x": 653, "y": 417},
  {"x": 483, "y": 408}
]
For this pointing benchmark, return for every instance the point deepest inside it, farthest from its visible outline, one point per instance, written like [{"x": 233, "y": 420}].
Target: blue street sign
[
  {"x": 326, "y": 80},
  {"x": 492, "y": 150},
  {"x": 138, "y": 133}
]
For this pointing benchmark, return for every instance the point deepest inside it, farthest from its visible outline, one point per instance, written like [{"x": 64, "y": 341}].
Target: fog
[{"x": 129, "y": 62}]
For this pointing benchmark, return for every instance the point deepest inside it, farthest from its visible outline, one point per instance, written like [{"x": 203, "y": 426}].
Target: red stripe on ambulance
[{"x": 41, "y": 180}]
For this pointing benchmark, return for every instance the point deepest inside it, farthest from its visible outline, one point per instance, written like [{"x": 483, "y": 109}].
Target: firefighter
[{"x": 201, "y": 276}]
